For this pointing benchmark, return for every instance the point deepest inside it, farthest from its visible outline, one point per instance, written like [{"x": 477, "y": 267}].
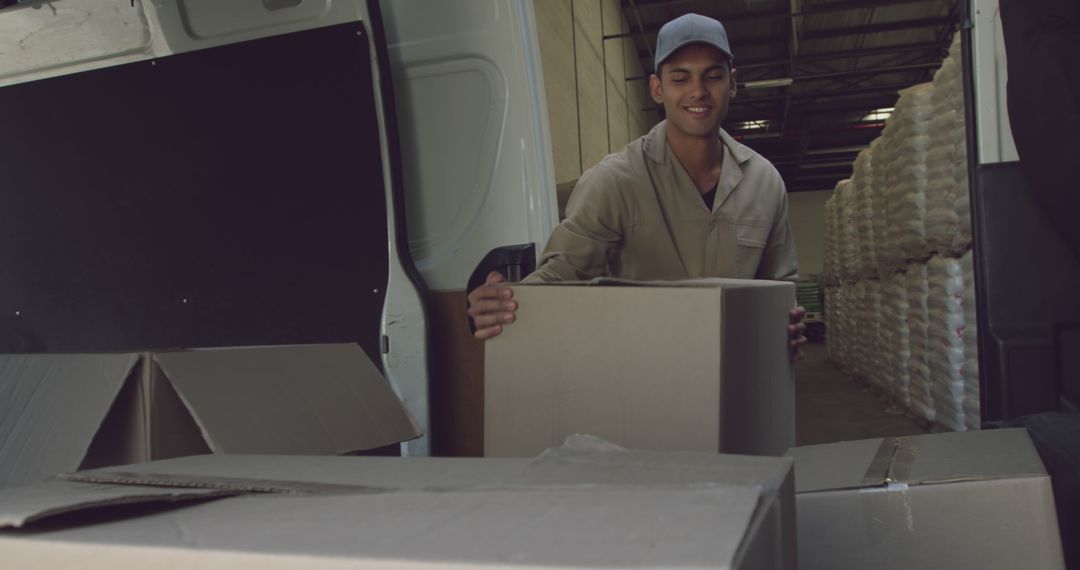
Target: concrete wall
[
  {"x": 806, "y": 211},
  {"x": 592, "y": 109}
]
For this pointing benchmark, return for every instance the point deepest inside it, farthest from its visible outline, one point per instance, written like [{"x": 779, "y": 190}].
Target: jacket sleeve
[
  {"x": 579, "y": 248},
  {"x": 780, "y": 262}
]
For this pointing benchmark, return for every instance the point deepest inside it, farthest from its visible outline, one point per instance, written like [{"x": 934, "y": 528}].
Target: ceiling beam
[
  {"x": 772, "y": 14},
  {"x": 849, "y": 54},
  {"x": 880, "y": 27}
]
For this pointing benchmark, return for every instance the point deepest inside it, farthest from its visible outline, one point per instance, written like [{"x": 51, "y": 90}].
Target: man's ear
[
  {"x": 655, "y": 89},
  {"x": 734, "y": 83}
]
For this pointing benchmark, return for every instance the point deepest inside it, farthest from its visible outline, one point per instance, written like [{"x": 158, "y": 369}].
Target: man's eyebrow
[{"x": 710, "y": 69}]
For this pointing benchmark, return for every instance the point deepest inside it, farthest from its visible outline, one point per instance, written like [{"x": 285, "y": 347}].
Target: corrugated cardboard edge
[
  {"x": 169, "y": 375},
  {"x": 229, "y": 484},
  {"x": 166, "y": 496},
  {"x": 890, "y": 468}
]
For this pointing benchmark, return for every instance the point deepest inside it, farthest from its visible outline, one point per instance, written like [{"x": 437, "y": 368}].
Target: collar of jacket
[{"x": 656, "y": 145}]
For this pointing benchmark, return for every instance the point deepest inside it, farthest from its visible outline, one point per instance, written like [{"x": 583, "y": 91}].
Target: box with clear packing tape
[{"x": 979, "y": 499}]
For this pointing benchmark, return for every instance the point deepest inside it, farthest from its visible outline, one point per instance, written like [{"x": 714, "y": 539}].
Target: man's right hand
[{"x": 491, "y": 307}]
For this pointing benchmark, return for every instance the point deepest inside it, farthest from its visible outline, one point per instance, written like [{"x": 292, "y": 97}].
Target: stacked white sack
[
  {"x": 856, "y": 317},
  {"x": 879, "y": 218},
  {"x": 945, "y": 306},
  {"x": 946, "y": 197},
  {"x": 906, "y": 175},
  {"x": 862, "y": 184},
  {"x": 877, "y": 371},
  {"x": 842, "y": 338},
  {"x": 830, "y": 323},
  {"x": 917, "y": 288},
  {"x": 972, "y": 416},
  {"x": 889, "y": 256},
  {"x": 850, "y": 267},
  {"x": 896, "y": 347},
  {"x": 832, "y": 260}
]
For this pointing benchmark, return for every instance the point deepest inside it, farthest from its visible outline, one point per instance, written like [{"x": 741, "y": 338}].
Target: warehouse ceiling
[{"x": 816, "y": 77}]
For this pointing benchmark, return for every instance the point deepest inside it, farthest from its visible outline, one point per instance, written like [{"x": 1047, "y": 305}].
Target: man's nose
[{"x": 698, "y": 88}]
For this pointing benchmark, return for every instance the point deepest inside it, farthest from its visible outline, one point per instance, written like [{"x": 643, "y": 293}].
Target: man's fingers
[
  {"x": 486, "y": 292},
  {"x": 495, "y": 277},
  {"x": 488, "y": 306},
  {"x": 492, "y": 319},
  {"x": 487, "y": 332}
]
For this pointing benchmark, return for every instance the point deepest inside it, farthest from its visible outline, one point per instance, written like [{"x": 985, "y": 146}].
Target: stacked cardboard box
[
  {"x": 699, "y": 365},
  {"x": 587, "y": 504},
  {"x": 63, "y": 412}
]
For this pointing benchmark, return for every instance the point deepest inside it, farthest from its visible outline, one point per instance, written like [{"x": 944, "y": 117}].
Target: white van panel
[
  {"x": 78, "y": 35},
  {"x": 474, "y": 131},
  {"x": 995, "y": 140},
  {"x": 38, "y": 40}
]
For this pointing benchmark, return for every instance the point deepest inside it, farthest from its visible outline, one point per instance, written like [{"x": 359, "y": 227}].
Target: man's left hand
[{"x": 796, "y": 338}]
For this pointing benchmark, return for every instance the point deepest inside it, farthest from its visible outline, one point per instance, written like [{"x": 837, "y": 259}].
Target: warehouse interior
[{"x": 237, "y": 321}]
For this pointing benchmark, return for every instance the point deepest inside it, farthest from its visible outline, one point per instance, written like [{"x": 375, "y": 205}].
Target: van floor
[{"x": 831, "y": 406}]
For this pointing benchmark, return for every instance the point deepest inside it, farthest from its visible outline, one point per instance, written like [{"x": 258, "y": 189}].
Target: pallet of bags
[
  {"x": 862, "y": 183},
  {"x": 917, "y": 289},
  {"x": 895, "y": 336},
  {"x": 945, "y": 307},
  {"x": 906, "y": 173}
]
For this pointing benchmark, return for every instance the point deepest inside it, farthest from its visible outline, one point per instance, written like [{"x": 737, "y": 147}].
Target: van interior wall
[
  {"x": 593, "y": 109},
  {"x": 806, "y": 211}
]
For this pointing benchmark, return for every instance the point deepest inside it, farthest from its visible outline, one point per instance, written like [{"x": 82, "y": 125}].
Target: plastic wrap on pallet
[
  {"x": 945, "y": 308},
  {"x": 972, "y": 410},
  {"x": 917, "y": 289}
]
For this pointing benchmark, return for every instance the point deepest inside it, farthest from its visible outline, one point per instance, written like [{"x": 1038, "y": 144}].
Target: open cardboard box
[
  {"x": 978, "y": 499},
  {"x": 587, "y": 504},
  {"x": 696, "y": 365},
  {"x": 62, "y": 412}
]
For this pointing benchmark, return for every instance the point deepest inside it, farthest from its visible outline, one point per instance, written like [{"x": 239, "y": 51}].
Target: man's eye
[
  {"x": 715, "y": 78},
  {"x": 679, "y": 79}
]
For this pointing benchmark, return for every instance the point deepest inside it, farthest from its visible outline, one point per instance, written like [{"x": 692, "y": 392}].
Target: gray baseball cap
[{"x": 690, "y": 29}]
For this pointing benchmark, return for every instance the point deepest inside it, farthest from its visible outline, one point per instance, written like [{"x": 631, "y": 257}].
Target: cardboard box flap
[
  {"x": 985, "y": 454},
  {"x": 204, "y": 476},
  {"x": 646, "y": 528},
  {"x": 829, "y": 466},
  {"x": 589, "y": 460},
  {"x": 915, "y": 460},
  {"x": 414, "y": 473},
  {"x": 315, "y": 399},
  {"x": 51, "y": 406},
  {"x": 23, "y": 505}
]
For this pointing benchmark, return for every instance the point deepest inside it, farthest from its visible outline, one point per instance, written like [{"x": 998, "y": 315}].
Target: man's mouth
[{"x": 697, "y": 110}]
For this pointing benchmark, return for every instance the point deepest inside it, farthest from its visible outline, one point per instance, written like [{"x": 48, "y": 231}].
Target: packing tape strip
[
  {"x": 878, "y": 470},
  {"x": 237, "y": 484},
  {"x": 892, "y": 463}
]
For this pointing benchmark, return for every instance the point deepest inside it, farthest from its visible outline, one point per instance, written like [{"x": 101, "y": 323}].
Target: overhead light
[
  {"x": 878, "y": 114},
  {"x": 758, "y": 125},
  {"x": 765, "y": 83}
]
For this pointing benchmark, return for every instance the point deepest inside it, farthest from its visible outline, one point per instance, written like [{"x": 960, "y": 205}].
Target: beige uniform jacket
[{"x": 638, "y": 215}]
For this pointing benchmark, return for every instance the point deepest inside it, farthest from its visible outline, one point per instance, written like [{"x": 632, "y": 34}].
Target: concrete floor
[{"x": 830, "y": 406}]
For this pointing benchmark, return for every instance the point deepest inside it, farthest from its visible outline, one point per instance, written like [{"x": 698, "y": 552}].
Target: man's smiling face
[{"x": 695, "y": 85}]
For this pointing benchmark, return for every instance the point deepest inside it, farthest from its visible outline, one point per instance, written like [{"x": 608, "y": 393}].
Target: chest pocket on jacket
[{"x": 752, "y": 234}]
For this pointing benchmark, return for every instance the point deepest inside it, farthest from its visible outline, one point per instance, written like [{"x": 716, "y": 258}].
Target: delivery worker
[{"x": 684, "y": 201}]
